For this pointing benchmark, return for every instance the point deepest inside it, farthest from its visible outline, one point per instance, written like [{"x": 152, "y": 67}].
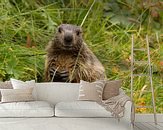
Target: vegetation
[{"x": 26, "y": 26}]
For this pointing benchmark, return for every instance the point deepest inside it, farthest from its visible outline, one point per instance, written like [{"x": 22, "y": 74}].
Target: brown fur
[{"x": 78, "y": 60}]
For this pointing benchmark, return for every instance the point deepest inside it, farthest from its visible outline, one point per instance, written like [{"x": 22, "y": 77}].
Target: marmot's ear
[{"x": 80, "y": 30}]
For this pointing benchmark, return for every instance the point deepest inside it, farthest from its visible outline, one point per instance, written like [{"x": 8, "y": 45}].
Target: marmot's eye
[
  {"x": 78, "y": 32},
  {"x": 59, "y": 29}
]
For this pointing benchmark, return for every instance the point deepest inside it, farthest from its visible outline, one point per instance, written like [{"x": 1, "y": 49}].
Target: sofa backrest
[{"x": 55, "y": 92}]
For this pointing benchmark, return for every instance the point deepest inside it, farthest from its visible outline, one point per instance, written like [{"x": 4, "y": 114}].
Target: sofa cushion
[
  {"x": 16, "y": 95},
  {"x": 26, "y": 109},
  {"x": 80, "y": 109}
]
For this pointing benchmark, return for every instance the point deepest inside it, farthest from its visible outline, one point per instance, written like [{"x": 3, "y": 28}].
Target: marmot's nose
[{"x": 68, "y": 38}]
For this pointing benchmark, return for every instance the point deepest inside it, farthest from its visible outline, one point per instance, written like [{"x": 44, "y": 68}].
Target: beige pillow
[
  {"x": 16, "y": 95},
  {"x": 5, "y": 85},
  {"x": 91, "y": 91},
  {"x": 111, "y": 89}
]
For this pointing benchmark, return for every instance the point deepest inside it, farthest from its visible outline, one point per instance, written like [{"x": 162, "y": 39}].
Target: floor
[
  {"x": 146, "y": 122},
  {"x": 63, "y": 124},
  {"x": 148, "y": 126},
  {"x": 142, "y": 122}
]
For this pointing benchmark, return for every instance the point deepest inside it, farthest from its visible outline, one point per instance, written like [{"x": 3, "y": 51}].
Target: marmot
[{"x": 69, "y": 59}]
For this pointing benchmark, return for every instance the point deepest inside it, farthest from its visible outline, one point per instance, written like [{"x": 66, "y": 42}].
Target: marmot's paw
[
  {"x": 57, "y": 76},
  {"x": 64, "y": 75}
]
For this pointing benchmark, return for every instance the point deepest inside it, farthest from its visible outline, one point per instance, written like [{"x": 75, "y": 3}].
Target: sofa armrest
[
  {"x": 127, "y": 119},
  {"x": 128, "y": 112}
]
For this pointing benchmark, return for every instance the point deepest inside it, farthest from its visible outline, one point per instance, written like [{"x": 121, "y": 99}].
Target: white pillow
[
  {"x": 80, "y": 109},
  {"x": 26, "y": 109},
  {"x": 18, "y": 84}
]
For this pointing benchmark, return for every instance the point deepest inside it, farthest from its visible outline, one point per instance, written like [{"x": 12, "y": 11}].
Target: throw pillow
[
  {"x": 111, "y": 89},
  {"x": 18, "y": 84},
  {"x": 5, "y": 85},
  {"x": 91, "y": 91},
  {"x": 16, "y": 95}
]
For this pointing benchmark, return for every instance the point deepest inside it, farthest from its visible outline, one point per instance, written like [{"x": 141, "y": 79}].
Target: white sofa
[{"x": 63, "y": 97}]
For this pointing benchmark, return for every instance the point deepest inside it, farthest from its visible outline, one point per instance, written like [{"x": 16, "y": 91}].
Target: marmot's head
[{"x": 68, "y": 37}]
